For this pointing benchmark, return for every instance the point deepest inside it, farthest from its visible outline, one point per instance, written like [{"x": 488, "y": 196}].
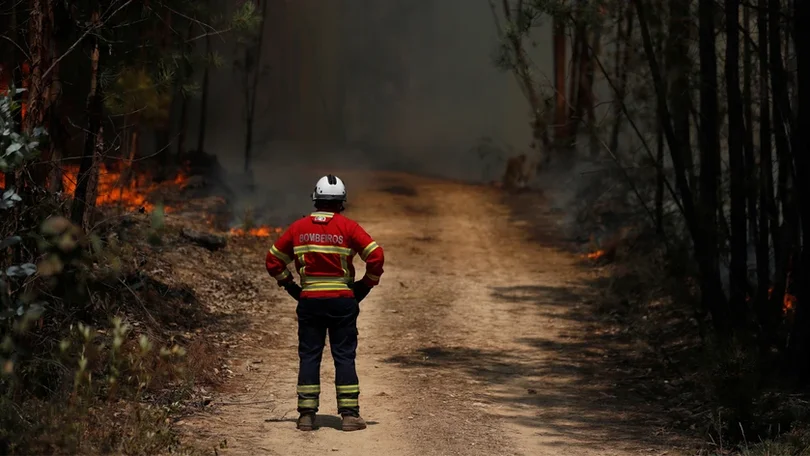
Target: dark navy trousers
[{"x": 338, "y": 318}]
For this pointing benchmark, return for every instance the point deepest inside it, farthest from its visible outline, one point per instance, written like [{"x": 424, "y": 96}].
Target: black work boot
[
  {"x": 306, "y": 422},
  {"x": 353, "y": 423}
]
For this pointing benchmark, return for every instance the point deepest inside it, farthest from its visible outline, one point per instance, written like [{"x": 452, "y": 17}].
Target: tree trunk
[
  {"x": 589, "y": 99},
  {"x": 679, "y": 89},
  {"x": 133, "y": 146},
  {"x": 88, "y": 168},
  {"x": 204, "y": 100},
  {"x": 33, "y": 108},
  {"x": 623, "y": 43},
  {"x": 582, "y": 83},
  {"x": 767, "y": 205},
  {"x": 801, "y": 152},
  {"x": 738, "y": 270},
  {"x": 163, "y": 135},
  {"x": 185, "y": 75},
  {"x": 92, "y": 179},
  {"x": 659, "y": 180},
  {"x": 572, "y": 110},
  {"x": 712, "y": 295},
  {"x": 55, "y": 128},
  {"x": 560, "y": 111},
  {"x": 748, "y": 100},
  {"x": 254, "y": 87},
  {"x": 709, "y": 141},
  {"x": 788, "y": 231}
]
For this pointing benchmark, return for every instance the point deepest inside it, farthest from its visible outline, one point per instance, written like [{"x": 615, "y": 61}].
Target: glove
[
  {"x": 360, "y": 290},
  {"x": 293, "y": 289}
]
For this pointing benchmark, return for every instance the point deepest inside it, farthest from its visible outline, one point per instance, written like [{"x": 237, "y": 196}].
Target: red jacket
[{"x": 323, "y": 245}]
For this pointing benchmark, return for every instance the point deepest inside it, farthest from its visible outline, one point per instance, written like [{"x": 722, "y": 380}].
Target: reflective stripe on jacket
[{"x": 323, "y": 245}]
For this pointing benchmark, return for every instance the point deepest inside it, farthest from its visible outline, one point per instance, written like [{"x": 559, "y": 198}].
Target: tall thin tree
[
  {"x": 709, "y": 142},
  {"x": 739, "y": 239}
]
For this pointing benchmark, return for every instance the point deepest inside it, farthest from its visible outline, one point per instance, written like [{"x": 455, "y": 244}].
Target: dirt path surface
[{"x": 477, "y": 342}]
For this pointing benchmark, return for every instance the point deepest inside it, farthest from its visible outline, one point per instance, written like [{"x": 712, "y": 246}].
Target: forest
[
  {"x": 710, "y": 98},
  {"x": 694, "y": 109}
]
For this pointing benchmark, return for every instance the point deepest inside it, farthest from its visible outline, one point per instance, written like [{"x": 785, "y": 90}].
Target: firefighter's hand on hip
[
  {"x": 293, "y": 289},
  {"x": 361, "y": 290}
]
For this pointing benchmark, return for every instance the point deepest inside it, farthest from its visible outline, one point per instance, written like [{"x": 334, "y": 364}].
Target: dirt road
[{"x": 477, "y": 342}]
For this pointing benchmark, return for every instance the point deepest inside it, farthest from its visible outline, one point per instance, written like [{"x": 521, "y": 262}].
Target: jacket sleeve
[
  {"x": 279, "y": 256},
  {"x": 370, "y": 252}
]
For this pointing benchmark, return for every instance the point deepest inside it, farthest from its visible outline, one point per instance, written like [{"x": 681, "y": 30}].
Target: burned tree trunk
[
  {"x": 204, "y": 100},
  {"x": 748, "y": 119},
  {"x": 253, "y": 56},
  {"x": 588, "y": 98},
  {"x": 767, "y": 205},
  {"x": 679, "y": 88},
  {"x": 623, "y": 46},
  {"x": 36, "y": 22},
  {"x": 801, "y": 154},
  {"x": 560, "y": 111},
  {"x": 712, "y": 295},
  {"x": 162, "y": 131},
  {"x": 185, "y": 74},
  {"x": 572, "y": 111},
  {"x": 88, "y": 167},
  {"x": 659, "y": 179},
  {"x": 709, "y": 141},
  {"x": 133, "y": 146},
  {"x": 739, "y": 238},
  {"x": 55, "y": 127},
  {"x": 92, "y": 179},
  {"x": 788, "y": 231},
  {"x": 38, "y": 97},
  {"x": 581, "y": 98}
]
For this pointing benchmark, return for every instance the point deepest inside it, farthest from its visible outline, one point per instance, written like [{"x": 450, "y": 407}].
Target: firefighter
[{"x": 323, "y": 245}]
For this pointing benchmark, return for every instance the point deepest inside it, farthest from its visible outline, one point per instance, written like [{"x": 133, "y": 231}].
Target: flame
[
  {"x": 113, "y": 191},
  {"x": 262, "y": 231},
  {"x": 788, "y": 303},
  {"x": 5, "y": 80},
  {"x": 595, "y": 255}
]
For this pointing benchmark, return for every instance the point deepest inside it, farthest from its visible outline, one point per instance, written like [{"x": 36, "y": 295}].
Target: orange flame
[
  {"x": 595, "y": 255},
  {"x": 5, "y": 80},
  {"x": 788, "y": 303},
  {"x": 262, "y": 231},
  {"x": 113, "y": 191}
]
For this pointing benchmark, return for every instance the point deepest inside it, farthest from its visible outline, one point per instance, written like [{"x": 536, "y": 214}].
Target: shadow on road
[
  {"x": 402, "y": 190},
  {"x": 586, "y": 389},
  {"x": 321, "y": 421}
]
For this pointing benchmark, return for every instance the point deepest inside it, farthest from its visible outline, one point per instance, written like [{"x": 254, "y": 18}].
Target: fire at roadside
[{"x": 124, "y": 191}]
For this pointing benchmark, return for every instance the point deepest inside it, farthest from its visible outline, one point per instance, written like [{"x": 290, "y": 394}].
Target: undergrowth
[
  {"x": 732, "y": 397},
  {"x": 85, "y": 368},
  {"x": 722, "y": 394}
]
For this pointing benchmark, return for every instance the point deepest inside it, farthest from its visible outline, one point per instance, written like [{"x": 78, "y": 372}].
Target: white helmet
[{"x": 329, "y": 188}]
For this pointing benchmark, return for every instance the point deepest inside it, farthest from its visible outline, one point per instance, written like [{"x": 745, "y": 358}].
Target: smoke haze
[
  {"x": 425, "y": 88},
  {"x": 371, "y": 84}
]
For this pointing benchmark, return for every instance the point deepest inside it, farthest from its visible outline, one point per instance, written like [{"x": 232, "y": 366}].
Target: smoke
[{"x": 407, "y": 85}]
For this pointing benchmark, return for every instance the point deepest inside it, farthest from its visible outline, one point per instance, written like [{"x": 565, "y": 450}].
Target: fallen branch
[{"x": 207, "y": 240}]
